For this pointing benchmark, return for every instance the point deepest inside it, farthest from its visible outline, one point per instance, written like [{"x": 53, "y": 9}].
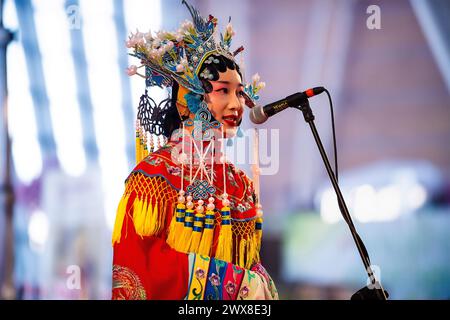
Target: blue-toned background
[{"x": 69, "y": 116}]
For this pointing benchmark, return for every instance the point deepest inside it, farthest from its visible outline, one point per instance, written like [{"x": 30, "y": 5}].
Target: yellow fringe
[
  {"x": 120, "y": 216},
  {"x": 204, "y": 247},
  {"x": 176, "y": 226},
  {"x": 182, "y": 244},
  {"x": 224, "y": 249},
  {"x": 196, "y": 232},
  {"x": 138, "y": 216},
  {"x": 242, "y": 247},
  {"x": 161, "y": 216},
  {"x": 147, "y": 228},
  {"x": 251, "y": 252},
  {"x": 258, "y": 238},
  {"x": 138, "y": 148},
  {"x": 148, "y": 219}
]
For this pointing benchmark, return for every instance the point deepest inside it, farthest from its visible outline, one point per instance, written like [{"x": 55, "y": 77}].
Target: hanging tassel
[
  {"x": 141, "y": 138},
  {"x": 152, "y": 146},
  {"x": 224, "y": 249},
  {"x": 258, "y": 231},
  {"x": 138, "y": 216},
  {"x": 155, "y": 220},
  {"x": 148, "y": 226},
  {"x": 250, "y": 252},
  {"x": 120, "y": 216},
  {"x": 208, "y": 231},
  {"x": 177, "y": 223},
  {"x": 145, "y": 148},
  {"x": 182, "y": 243},
  {"x": 242, "y": 247},
  {"x": 138, "y": 147},
  {"x": 198, "y": 228}
]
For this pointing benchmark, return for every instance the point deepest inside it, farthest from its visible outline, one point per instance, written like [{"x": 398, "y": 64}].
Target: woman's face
[{"x": 226, "y": 101}]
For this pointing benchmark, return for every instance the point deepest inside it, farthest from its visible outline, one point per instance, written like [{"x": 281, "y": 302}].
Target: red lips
[{"x": 231, "y": 120}]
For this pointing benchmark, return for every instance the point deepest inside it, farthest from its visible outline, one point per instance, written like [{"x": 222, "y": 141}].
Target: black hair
[
  {"x": 218, "y": 63},
  {"x": 172, "y": 119}
]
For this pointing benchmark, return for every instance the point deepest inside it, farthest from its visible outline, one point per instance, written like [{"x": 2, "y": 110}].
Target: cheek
[{"x": 216, "y": 106}]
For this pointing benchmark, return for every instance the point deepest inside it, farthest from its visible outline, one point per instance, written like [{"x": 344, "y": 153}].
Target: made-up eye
[{"x": 223, "y": 90}]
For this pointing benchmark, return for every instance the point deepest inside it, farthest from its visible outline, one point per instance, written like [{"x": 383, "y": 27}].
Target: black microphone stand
[{"x": 376, "y": 291}]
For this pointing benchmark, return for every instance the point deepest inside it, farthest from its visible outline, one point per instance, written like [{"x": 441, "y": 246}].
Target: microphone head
[{"x": 257, "y": 115}]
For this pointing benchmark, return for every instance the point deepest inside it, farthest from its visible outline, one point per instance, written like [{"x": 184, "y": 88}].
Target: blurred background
[{"x": 67, "y": 140}]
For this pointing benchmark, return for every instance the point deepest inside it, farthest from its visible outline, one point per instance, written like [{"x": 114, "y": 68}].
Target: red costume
[{"x": 147, "y": 267}]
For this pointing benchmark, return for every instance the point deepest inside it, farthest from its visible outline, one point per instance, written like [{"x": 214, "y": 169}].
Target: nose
[{"x": 235, "y": 103}]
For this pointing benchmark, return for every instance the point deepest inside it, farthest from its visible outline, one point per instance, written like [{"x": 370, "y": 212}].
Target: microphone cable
[{"x": 334, "y": 136}]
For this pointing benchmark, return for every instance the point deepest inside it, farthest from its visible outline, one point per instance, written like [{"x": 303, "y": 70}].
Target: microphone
[{"x": 260, "y": 114}]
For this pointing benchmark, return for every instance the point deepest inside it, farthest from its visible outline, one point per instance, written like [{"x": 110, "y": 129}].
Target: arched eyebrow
[{"x": 227, "y": 83}]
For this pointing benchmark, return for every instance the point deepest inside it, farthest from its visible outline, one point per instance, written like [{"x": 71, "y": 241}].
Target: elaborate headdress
[{"x": 177, "y": 56}]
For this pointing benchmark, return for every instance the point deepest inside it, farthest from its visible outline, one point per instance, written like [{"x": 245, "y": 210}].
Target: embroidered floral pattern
[
  {"x": 200, "y": 273},
  {"x": 154, "y": 161},
  {"x": 244, "y": 292},
  {"x": 230, "y": 287},
  {"x": 176, "y": 171},
  {"x": 215, "y": 280}
]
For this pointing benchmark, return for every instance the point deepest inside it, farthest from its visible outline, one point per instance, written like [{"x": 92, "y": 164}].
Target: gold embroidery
[{"x": 126, "y": 285}]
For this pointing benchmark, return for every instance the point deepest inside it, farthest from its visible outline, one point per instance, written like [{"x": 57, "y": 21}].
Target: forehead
[{"x": 232, "y": 77}]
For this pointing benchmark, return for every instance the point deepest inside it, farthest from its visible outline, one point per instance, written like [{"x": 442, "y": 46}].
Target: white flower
[
  {"x": 130, "y": 43},
  {"x": 140, "y": 40},
  {"x": 131, "y": 70},
  {"x": 261, "y": 85},
  {"x": 255, "y": 78},
  {"x": 186, "y": 24},
  {"x": 180, "y": 68},
  {"x": 179, "y": 37},
  {"x": 160, "y": 34},
  {"x": 229, "y": 28},
  {"x": 148, "y": 36}
]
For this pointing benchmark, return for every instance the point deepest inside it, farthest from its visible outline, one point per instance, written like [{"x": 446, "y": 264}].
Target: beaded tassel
[
  {"x": 177, "y": 223},
  {"x": 182, "y": 243},
  {"x": 198, "y": 227},
  {"x": 158, "y": 143},
  {"x": 138, "y": 143},
  {"x": 208, "y": 231},
  {"x": 141, "y": 141},
  {"x": 152, "y": 145},
  {"x": 224, "y": 249},
  {"x": 144, "y": 142}
]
